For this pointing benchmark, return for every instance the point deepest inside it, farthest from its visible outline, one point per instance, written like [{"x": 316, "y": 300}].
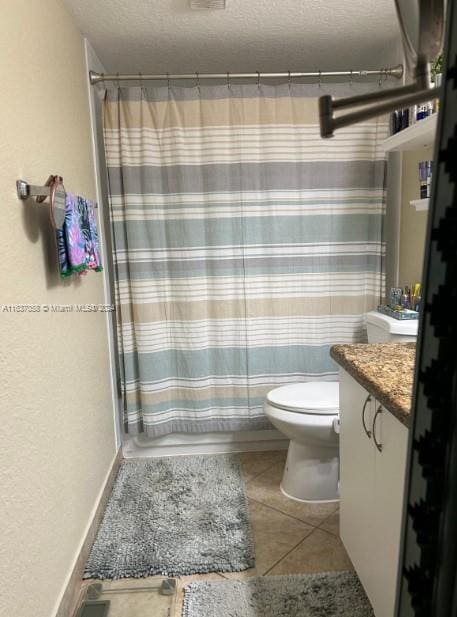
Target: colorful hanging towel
[{"x": 77, "y": 241}]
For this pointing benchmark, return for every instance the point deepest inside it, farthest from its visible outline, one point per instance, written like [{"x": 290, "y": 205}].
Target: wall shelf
[
  {"x": 418, "y": 135},
  {"x": 420, "y": 204}
]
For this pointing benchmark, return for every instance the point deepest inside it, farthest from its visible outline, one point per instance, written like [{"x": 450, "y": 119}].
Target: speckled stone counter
[{"x": 385, "y": 370}]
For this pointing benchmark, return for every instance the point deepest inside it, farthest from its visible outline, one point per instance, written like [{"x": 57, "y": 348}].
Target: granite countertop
[{"x": 385, "y": 370}]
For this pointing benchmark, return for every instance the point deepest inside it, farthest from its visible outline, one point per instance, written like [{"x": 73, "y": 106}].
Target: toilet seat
[{"x": 313, "y": 397}]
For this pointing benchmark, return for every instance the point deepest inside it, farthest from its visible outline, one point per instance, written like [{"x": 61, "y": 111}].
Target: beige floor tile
[
  {"x": 186, "y": 580},
  {"x": 319, "y": 552},
  {"x": 275, "y": 535},
  {"x": 332, "y": 524},
  {"x": 254, "y": 463},
  {"x": 265, "y": 489}
]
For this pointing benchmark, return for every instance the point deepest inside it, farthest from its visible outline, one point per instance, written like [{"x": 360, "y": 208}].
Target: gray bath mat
[
  {"x": 174, "y": 516},
  {"x": 334, "y": 594}
]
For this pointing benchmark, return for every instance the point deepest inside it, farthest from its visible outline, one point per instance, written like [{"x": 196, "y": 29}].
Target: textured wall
[
  {"x": 413, "y": 224},
  {"x": 57, "y": 423}
]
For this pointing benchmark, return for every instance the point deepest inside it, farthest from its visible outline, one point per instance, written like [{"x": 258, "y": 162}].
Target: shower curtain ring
[
  {"x": 258, "y": 79},
  {"x": 380, "y": 77},
  {"x": 228, "y": 79},
  {"x": 117, "y": 80},
  {"x": 351, "y": 78},
  {"x": 168, "y": 81},
  {"x": 289, "y": 80},
  {"x": 198, "y": 81},
  {"x": 319, "y": 83}
]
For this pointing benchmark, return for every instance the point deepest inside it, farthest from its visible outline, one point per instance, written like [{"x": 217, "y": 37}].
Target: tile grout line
[
  {"x": 282, "y": 557},
  {"x": 223, "y": 575},
  {"x": 289, "y": 552},
  {"x": 325, "y": 520},
  {"x": 332, "y": 533},
  {"x": 289, "y": 515},
  {"x": 257, "y": 475},
  {"x": 297, "y": 545}
]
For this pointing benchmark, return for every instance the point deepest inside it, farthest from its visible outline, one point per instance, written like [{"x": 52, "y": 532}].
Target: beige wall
[
  {"x": 413, "y": 224},
  {"x": 57, "y": 439}
]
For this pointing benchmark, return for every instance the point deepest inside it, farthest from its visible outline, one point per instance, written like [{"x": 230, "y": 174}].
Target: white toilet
[{"x": 308, "y": 413}]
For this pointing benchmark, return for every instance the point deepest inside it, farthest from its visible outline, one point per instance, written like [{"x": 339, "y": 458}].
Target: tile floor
[{"x": 290, "y": 537}]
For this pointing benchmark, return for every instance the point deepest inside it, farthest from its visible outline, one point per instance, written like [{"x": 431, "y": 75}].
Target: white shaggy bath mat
[
  {"x": 174, "y": 516},
  {"x": 333, "y": 594}
]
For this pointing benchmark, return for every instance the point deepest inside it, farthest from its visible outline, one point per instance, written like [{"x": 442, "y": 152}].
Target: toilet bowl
[{"x": 308, "y": 414}]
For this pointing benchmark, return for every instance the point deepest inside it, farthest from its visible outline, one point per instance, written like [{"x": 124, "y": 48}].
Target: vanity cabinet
[{"x": 373, "y": 455}]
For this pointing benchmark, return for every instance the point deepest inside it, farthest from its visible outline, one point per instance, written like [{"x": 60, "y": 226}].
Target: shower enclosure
[{"x": 244, "y": 247}]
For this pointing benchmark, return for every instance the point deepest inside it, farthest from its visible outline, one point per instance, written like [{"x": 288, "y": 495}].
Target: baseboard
[
  {"x": 204, "y": 443},
  {"x": 69, "y": 602}
]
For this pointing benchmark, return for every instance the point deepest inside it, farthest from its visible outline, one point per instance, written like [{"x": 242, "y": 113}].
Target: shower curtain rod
[{"x": 394, "y": 71}]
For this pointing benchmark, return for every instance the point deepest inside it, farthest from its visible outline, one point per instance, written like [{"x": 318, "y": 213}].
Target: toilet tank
[{"x": 384, "y": 329}]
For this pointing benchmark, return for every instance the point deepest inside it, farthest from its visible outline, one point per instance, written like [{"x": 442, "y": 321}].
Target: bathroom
[{"x": 216, "y": 419}]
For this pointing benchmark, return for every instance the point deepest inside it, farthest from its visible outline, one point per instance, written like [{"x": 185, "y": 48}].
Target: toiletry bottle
[
  {"x": 396, "y": 122},
  {"x": 405, "y": 118},
  {"x": 429, "y": 178},
  {"x": 423, "y": 179},
  {"x": 405, "y": 299},
  {"x": 416, "y": 299},
  {"x": 412, "y": 114}
]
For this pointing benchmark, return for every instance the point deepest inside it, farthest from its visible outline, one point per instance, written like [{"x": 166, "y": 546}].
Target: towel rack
[
  {"x": 54, "y": 189},
  {"x": 40, "y": 193},
  {"x": 26, "y": 190}
]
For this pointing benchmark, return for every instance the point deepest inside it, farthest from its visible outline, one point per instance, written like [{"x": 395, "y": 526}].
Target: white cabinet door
[
  {"x": 371, "y": 491},
  {"x": 357, "y": 480},
  {"x": 390, "y": 471}
]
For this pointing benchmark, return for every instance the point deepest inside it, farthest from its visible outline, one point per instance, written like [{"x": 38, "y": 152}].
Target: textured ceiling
[{"x": 250, "y": 35}]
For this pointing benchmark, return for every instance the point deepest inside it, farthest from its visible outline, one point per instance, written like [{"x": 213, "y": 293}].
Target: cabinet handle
[
  {"x": 368, "y": 400},
  {"x": 378, "y": 413}
]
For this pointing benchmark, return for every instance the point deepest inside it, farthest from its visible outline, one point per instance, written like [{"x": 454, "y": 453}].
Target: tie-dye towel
[{"x": 77, "y": 241}]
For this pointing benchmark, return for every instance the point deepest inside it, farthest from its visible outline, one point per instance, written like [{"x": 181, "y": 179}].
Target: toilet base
[{"x": 311, "y": 474}]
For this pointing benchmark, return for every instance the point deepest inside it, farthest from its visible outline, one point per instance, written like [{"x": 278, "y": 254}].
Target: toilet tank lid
[
  {"x": 319, "y": 397},
  {"x": 405, "y": 327}
]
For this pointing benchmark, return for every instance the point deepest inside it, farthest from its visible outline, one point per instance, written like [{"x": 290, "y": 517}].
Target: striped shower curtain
[{"x": 244, "y": 246}]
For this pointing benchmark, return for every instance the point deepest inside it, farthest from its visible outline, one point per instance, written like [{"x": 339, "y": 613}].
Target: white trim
[
  {"x": 92, "y": 63},
  {"x": 206, "y": 443},
  {"x": 81, "y": 546},
  {"x": 393, "y": 220},
  {"x": 420, "y": 204}
]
